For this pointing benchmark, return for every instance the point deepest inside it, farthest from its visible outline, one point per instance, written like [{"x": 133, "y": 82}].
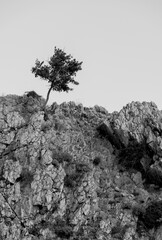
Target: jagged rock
[
  {"x": 106, "y": 130},
  {"x": 12, "y": 170},
  {"x": 100, "y": 109},
  {"x": 60, "y": 179},
  {"x": 141, "y": 121},
  {"x": 33, "y": 94}
]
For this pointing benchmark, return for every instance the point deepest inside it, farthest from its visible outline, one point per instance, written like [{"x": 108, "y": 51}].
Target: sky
[{"x": 119, "y": 42}]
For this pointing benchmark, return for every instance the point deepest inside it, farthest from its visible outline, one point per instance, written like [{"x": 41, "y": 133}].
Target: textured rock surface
[{"x": 79, "y": 173}]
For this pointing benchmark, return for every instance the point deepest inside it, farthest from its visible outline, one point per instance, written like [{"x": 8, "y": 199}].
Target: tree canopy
[{"x": 59, "y": 71}]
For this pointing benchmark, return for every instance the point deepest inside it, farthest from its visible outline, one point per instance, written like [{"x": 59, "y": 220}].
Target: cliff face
[{"x": 79, "y": 173}]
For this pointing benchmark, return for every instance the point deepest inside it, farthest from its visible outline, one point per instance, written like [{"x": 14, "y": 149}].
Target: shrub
[
  {"x": 119, "y": 230},
  {"x": 59, "y": 125},
  {"x": 130, "y": 157},
  {"x": 26, "y": 178},
  {"x": 55, "y": 163},
  {"x": 33, "y": 94},
  {"x": 82, "y": 167},
  {"x": 46, "y": 125},
  {"x": 62, "y": 156},
  {"x": 62, "y": 229},
  {"x": 153, "y": 215},
  {"x": 71, "y": 180},
  {"x": 154, "y": 176},
  {"x": 96, "y": 161},
  {"x": 42, "y": 209},
  {"x": 138, "y": 210},
  {"x": 34, "y": 230}
]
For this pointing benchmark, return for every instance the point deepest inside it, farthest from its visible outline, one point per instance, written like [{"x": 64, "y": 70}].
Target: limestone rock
[{"x": 51, "y": 186}]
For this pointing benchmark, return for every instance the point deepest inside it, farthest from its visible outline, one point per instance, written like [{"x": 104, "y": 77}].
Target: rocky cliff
[{"x": 79, "y": 173}]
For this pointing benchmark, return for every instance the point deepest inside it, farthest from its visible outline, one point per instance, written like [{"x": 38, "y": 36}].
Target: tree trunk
[
  {"x": 47, "y": 98},
  {"x": 44, "y": 107}
]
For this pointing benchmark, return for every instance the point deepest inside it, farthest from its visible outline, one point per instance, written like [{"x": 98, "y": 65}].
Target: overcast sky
[{"x": 119, "y": 42}]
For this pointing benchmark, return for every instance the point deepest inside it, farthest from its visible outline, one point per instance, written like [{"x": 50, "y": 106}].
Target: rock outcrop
[{"x": 79, "y": 173}]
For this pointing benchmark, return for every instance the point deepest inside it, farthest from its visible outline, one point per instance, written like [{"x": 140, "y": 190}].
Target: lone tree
[{"x": 59, "y": 72}]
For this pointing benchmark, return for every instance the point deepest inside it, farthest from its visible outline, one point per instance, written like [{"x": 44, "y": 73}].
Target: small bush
[
  {"x": 62, "y": 229},
  {"x": 62, "y": 157},
  {"x": 29, "y": 106},
  {"x": 59, "y": 126},
  {"x": 138, "y": 210},
  {"x": 154, "y": 176},
  {"x": 130, "y": 157},
  {"x": 55, "y": 163},
  {"x": 33, "y": 94},
  {"x": 96, "y": 161},
  {"x": 42, "y": 209},
  {"x": 116, "y": 229},
  {"x": 71, "y": 180},
  {"x": 153, "y": 215},
  {"x": 35, "y": 230},
  {"x": 25, "y": 179},
  {"x": 46, "y": 125},
  {"x": 66, "y": 157},
  {"x": 82, "y": 168},
  {"x": 119, "y": 230}
]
